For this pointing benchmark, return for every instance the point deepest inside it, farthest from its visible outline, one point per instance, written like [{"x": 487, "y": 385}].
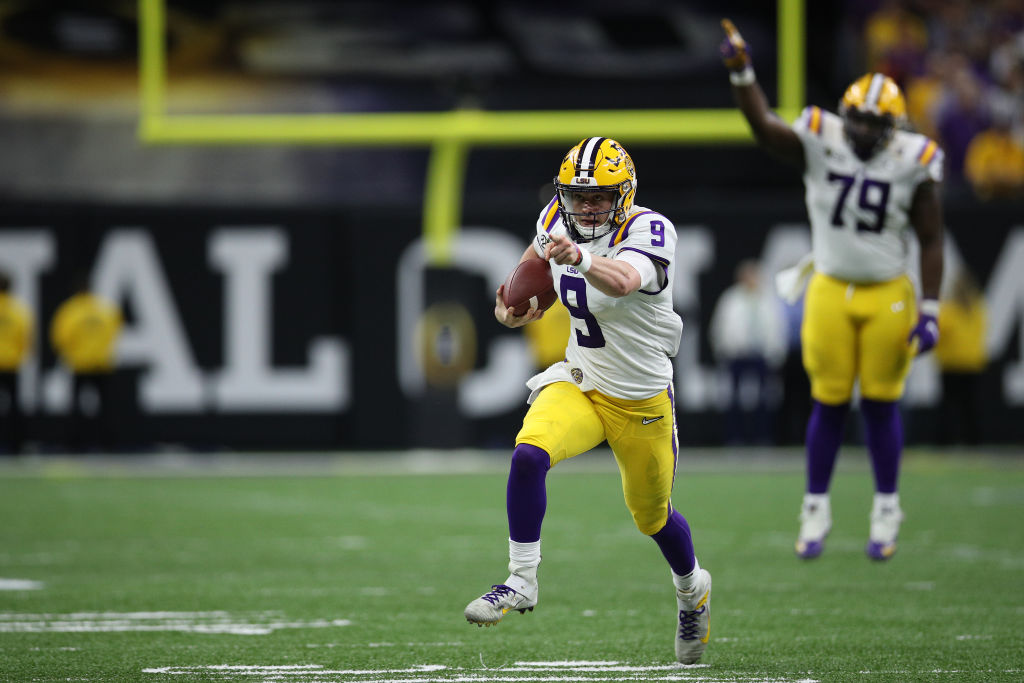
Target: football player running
[
  {"x": 612, "y": 264},
  {"x": 868, "y": 182}
]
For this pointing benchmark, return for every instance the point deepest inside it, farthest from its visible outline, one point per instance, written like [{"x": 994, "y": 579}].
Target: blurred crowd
[
  {"x": 961, "y": 65},
  {"x": 84, "y": 333}
]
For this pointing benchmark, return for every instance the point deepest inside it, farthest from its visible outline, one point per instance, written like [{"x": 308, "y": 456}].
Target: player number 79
[{"x": 874, "y": 197}]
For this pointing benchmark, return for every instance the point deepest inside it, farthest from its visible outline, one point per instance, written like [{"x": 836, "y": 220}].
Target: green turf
[{"x": 399, "y": 556}]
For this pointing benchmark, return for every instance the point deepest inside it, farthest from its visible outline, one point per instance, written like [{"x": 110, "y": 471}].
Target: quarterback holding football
[
  {"x": 869, "y": 182},
  {"x": 612, "y": 267}
]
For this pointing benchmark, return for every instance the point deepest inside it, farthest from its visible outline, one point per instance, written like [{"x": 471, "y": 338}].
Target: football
[{"x": 529, "y": 286}]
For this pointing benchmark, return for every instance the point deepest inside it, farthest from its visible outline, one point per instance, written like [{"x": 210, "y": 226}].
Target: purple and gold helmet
[
  {"x": 872, "y": 108},
  {"x": 596, "y": 165}
]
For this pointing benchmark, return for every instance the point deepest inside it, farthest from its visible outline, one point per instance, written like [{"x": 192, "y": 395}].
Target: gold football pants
[
  {"x": 565, "y": 422},
  {"x": 857, "y": 332}
]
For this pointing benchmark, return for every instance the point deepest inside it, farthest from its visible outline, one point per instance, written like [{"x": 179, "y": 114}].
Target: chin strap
[{"x": 609, "y": 226}]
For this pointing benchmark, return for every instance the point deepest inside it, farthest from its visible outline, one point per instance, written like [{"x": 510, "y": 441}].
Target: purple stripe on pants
[{"x": 674, "y": 539}]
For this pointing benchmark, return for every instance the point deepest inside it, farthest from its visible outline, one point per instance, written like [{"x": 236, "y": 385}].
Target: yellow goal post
[{"x": 450, "y": 134}]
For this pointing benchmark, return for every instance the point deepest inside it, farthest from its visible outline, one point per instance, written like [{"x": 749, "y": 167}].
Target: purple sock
[
  {"x": 883, "y": 431},
  {"x": 824, "y": 434},
  {"x": 676, "y": 544},
  {"x": 526, "y": 499}
]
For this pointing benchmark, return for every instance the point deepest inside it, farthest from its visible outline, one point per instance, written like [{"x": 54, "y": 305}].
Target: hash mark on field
[
  {"x": 919, "y": 585},
  {"x": 521, "y": 672},
  {"x": 20, "y": 585}
]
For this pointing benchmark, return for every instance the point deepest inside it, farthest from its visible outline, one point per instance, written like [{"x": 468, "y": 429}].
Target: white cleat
[
  {"x": 694, "y": 629},
  {"x": 815, "y": 523},
  {"x": 885, "y": 528},
  {"x": 490, "y": 607}
]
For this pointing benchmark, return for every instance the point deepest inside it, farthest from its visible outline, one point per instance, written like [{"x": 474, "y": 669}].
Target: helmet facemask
[
  {"x": 867, "y": 132},
  {"x": 585, "y": 218}
]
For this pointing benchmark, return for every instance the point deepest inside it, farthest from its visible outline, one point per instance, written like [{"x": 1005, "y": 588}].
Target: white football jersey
[
  {"x": 619, "y": 346},
  {"x": 859, "y": 210}
]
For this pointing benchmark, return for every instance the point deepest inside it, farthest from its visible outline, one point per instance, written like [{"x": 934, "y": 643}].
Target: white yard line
[
  {"x": 20, "y": 585},
  {"x": 188, "y": 622},
  {"x": 521, "y": 672}
]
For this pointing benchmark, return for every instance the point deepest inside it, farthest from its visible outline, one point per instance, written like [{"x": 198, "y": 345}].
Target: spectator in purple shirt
[{"x": 963, "y": 114}]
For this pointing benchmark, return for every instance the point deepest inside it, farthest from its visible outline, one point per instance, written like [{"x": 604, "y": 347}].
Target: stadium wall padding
[{"x": 295, "y": 328}]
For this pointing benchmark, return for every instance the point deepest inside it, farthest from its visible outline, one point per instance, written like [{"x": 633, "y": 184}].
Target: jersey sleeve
[
  {"x": 652, "y": 235},
  {"x": 815, "y": 128},
  {"x": 548, "y": 225},
  {"x": 809, "y": 124},
  {"x": 929, "y": 158},
  {"x": 644, "y": 266}
]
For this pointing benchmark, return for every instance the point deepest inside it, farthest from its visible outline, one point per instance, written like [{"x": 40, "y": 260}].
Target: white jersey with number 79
[{"x": 859, "y": 210}]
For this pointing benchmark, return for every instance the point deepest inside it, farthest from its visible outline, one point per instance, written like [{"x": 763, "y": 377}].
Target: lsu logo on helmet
[
  {"x": 875, "y": 94},
  {"x": 595, "y": 165},
  {"x": 872, "y": 108}
]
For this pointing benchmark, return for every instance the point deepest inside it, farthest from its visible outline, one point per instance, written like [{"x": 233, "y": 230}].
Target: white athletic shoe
[
  {"x": 815, "y": 523},
  {"x": 694, "y": 628},
  {"x": 490, "y": 607},
  {"x": 885, "y": 528}
]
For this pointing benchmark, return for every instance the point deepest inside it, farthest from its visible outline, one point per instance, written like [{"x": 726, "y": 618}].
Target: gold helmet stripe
[
  {"x": 587, "y": 161},
  {"x": 874, "y": 92}
]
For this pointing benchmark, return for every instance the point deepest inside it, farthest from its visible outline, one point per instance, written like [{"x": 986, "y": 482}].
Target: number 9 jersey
[
  {"x": 859, "y": 210},
  {"x": 620, "y": 346}
]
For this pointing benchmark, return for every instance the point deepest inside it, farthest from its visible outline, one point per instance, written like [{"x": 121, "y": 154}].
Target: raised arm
[
  {"x": 769, "y": 130},
  {"x": 926, "y": 217}
]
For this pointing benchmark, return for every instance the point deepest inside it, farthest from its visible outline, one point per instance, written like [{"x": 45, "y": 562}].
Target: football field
[{"x": 317, "y": 570}]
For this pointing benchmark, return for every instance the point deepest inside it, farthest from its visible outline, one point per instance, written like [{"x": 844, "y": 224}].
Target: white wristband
[
  {"x": 585, "y": 260},
  {"x": 745, "y": 77},
  {"x": 929, "y": 307}
]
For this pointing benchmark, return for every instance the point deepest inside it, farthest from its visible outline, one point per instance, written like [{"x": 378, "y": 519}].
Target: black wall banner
[{"x": 321, "y": 329}]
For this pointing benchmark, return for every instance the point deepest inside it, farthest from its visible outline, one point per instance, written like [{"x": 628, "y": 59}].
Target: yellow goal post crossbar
[{"x": 450, "y": 134}]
